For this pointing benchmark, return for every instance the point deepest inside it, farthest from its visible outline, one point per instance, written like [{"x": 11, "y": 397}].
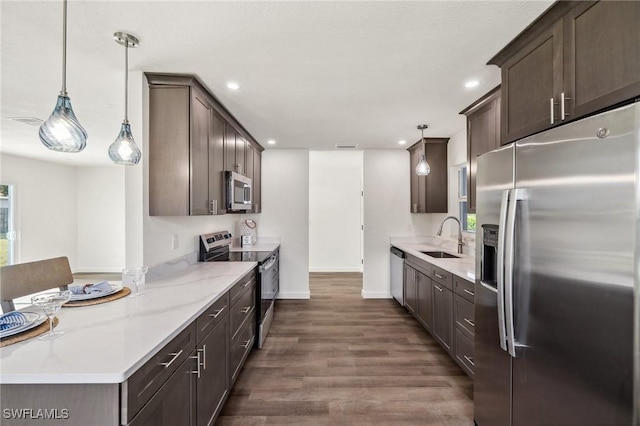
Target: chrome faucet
[{"x": 460, "y": 241}]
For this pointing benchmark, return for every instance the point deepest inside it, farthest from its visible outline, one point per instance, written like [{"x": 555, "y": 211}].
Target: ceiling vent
[
  {"x": 346, "y": 146},
  {"x": 31, "y": 121}
]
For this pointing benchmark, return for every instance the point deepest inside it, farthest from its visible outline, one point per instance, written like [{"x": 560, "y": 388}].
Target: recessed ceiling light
[
  {"x": 471, "y": 83},
  {"x": 271, "y": 142},
  {"x": 233, "y": 85},
  {"x": 402, "y": 142}
]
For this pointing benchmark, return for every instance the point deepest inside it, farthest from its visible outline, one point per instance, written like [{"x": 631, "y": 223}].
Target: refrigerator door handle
[
  {"x": 516, "y": 195},
  {"x": 500, "y": 266}
]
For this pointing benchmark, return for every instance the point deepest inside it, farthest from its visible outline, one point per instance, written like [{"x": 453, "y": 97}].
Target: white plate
[
  {"x": 77, "y": 297},
  {"x": 34, "y": 319}
]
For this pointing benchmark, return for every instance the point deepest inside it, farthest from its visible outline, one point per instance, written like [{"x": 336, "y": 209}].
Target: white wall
[
  {"x": 45, "y": 208},
  {"x": 285, "y": 213},
  {"x": 335, "y": 235},
  {"x": 101, "y": 219}
]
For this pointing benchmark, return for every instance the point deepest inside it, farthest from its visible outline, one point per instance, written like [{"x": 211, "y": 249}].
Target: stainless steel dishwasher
[{"x": 397, "y": 274}]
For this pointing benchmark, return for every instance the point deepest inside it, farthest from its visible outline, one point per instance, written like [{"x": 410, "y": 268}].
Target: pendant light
[
  {"x": 423, "y": 168},
  {"x": 62, "y": 131},
  {"x": 123, "y": 150}
]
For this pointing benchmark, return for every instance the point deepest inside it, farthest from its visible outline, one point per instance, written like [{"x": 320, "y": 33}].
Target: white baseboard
[
  {"x": 321, "y": 269},
  {"x": 376, "y": 294},
  {"x": 98, "y": 269},
  {"x": 294, "y": 295}
]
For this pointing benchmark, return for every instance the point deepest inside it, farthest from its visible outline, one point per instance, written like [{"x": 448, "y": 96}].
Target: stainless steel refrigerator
[{"x": 558, "y": 236}]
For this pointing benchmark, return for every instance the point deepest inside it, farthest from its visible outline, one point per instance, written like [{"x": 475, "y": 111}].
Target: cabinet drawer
[
  {"x": 442, "y": 276},
  {"x": 208, "y": 320},
  {"x": 464, "y": 352},
  {"x": 236, "y": 291},
  {"x": 464, "y": 315},
  {"x": 243, "y": 309},
  {"x": 419, "y": 264},
  {"x": 464, "y": 288},
  {"x": 144, "y": 383},
  {"x": 240, "y": 347}
]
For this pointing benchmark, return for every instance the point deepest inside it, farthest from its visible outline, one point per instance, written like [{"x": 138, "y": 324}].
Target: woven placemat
[
  {"x": 115, "y": 296},
  {"x": 34, "y": 332}
]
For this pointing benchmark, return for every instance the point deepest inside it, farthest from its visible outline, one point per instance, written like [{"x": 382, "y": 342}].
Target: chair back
[{"x": 32, "y": 277}]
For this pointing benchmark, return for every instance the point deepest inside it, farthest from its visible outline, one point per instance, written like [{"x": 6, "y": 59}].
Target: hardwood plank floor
[{"x": 338, "y": 359}]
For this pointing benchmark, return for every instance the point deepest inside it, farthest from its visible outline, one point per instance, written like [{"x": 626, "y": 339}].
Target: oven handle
[{"x": 268, "y": 264}]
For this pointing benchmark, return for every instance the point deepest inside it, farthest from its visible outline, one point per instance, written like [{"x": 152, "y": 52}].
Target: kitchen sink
[{"x": 440, "y": 254}]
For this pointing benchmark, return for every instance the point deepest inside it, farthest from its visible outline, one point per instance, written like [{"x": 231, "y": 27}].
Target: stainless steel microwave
[{"x": 238, "y": 192}]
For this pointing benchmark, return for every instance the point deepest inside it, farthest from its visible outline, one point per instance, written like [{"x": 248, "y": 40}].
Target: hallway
[{"x": 338, "y": 359}]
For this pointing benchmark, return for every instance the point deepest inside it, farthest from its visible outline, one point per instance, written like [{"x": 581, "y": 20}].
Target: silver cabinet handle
[
  {"x": 198, "y": 363},
  {"x": 471, "y": 323},
  {"x": 552, "y": 109},
  {"x": 175, "y": 356},
  {"x": 213, "y": 207},
  {"x": 247, "y": 283},
  {"x": 438, "y": 288},
  {"x": 217, "y": 313},
  {"x": 245, "y": 310},
  {"x": 469, "y": 292},
  {"x": 247, "y": 343},
  {"x": 563, "y": 113},
  {"x": 204, "y": 356},
  {"x": 469, "y": 360},
  {"x": 439, "y": 276}
]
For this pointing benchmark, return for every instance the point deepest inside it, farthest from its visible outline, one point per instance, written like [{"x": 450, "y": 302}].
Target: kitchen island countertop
[{"x": 107, "y": 343}]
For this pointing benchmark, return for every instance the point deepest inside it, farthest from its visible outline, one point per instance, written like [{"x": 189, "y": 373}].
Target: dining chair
[{"x": 27, "y": 278}]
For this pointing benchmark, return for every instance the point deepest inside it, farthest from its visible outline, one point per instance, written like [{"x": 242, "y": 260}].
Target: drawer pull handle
[
  {"x": 469, "y": 360},
  {"x": 204, "y": 356},
  {"x": 471, "y": 323},
  {"x": 198, "y": 364},
  {"x": 245, "y": 310},
  {"x": 247, "y": 343},
  {"x": 439, "y": 276},
  {"x": 469, "y": 292},
  {"x": 438, "y": 288},
  {"x": 247, "y": 283},
  {"x": 217, "y": 313},
  {"x": 175, "y": 356}
]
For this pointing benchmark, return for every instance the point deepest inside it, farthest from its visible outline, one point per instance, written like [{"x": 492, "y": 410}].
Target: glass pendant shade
[
  {"x": 423, "y": 168},
  {"x": 124, "y": 150},
  {"x": 62, "y": 131}
]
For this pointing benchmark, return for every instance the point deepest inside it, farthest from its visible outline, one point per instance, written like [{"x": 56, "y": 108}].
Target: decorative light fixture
[
  {"x": 124, "y": 150},
  {"x": 62, "y": 131},
  {"x": 423, "y": 168}
]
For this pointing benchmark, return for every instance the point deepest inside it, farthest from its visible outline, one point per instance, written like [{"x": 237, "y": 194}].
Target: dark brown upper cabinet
[
  {"x": 576, "y": 59},
  {"x": 193, "y": 139},
  {"x": 429, "y": 193},
  {"x": 483, "y": 135}
]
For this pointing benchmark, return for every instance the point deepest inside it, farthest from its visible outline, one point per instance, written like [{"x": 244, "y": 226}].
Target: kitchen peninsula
[{"x": 111, "y": 364}]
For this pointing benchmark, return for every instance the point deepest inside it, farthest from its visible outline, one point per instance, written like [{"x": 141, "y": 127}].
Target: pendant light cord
[
  {"x": 63, "y": 92},
  {"x": 424, "y": 148},
  {"x": 126, "y": 82}
]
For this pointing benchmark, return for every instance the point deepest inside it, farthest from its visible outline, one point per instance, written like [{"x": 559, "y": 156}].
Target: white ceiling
[{"x": 312, "y": 74}]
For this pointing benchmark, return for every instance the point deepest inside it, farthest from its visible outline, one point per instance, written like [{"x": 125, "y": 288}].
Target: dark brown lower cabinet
[
  {"x": 425, "y": 296},
  {"x": 173, "y": 404},
  {"x": 410, "y": 289},
  {"x": 212, "y": 386},
  {"x": 443, "y": 316}
]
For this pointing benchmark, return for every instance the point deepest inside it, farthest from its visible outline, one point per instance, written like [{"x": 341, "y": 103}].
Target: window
[
  {"x": 7, "y": 232},
  {"x": 467, "y": 220}
]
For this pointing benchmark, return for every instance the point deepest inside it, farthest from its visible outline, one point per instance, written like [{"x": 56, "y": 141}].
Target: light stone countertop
[
  {"x": 107, "y": 343},
  {"x": 260, "y": 246},
  {"x": 464, "y": 267}
]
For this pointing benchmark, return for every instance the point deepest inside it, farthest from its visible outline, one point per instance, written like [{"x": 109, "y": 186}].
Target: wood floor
[{"x": 338, "y": 359}]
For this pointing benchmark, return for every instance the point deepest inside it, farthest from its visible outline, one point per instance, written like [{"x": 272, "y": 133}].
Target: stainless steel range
[{"x": 214, "y": 247}]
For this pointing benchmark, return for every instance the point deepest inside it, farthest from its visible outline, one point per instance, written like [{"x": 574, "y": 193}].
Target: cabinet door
[
  {"x": 425, "y": 309},
  {"x": 436, "y": 188},
  {"x": 241, "y": 144},
  {"x": 174, "y": 402},
  {"x": 230, "y": 135},
  {"x": 483, "y": 135},
  {"x": 443, "y": 316},
  {"x": 249, "y": 170},
  {"x": 410, "y": 289},
  {"x": 531, "y": 86},
  {"x": 213, "y": 385},
  {"x": 602, "y": 55},
  {"x": 257, "y": 181},
  {"x": 418, "y": 193},
  {"x": 216, "y": 164},
  {"x": 201, "y": 114}
]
